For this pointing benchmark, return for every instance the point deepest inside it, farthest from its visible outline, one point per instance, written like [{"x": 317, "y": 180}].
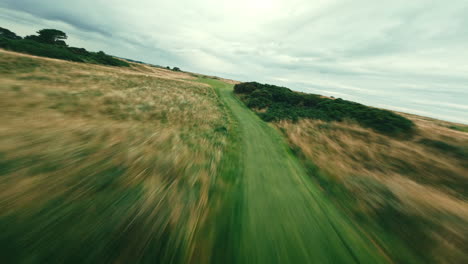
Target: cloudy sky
[{"x": 410, "y": 56}]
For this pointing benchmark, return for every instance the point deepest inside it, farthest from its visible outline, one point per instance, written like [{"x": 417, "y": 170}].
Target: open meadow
[
  {"x": 141, "y": 164},
  {"x": 104, "y": 164},
  {"x": 409, "y": 194}
]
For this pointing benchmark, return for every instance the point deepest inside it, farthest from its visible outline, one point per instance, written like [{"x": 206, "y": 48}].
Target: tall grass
[
  {"x": 409, "y": 195},
  {"x": 105, "y": 165}
]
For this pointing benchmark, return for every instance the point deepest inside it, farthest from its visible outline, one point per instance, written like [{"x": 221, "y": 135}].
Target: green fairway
[{"x": 284, "y": 217}]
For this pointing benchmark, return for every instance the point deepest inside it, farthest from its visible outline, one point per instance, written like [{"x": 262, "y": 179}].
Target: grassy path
[{"x": 284, "y": 217}]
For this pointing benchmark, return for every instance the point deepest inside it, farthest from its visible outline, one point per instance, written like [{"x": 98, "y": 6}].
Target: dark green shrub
[
  {"x": 5, "y": 33},
  {"x": 79, "y": 51},
  {"x": 259, "y": 99},
  {"x": 39, "y": 49},
  {"x": 245, "y": 87},
  {"x": 258, "y": 102},
  {"x": 50, "y": 44},
  {"x": 283, "y": 103},
  {"x": 102, "y": 58}
]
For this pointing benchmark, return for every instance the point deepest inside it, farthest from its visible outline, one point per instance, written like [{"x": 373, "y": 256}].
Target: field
[
  {"x": 105, "y": 165},
  {"x": 142, "y": 165},
  {"x": 409, "y": 194},
  {"x": 139, "y": 164},
  {"x": 403, "y": 178},
  {"x": 278, "y": 214}
]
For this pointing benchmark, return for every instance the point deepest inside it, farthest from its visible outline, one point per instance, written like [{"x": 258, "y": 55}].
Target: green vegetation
[
  {"x": 407, "y": 194},
  {"x": 50, "y": 43},
  {"x": 226, "y": 221},
  {"x": 107, "y": 164},
  {"x": 143, "y": 164},
  {"x": 50, "y": 36},
  {"x": 284, "y": 217},
  {"x": 282, "y": 103},
  {"x": 446, "y": 148},
  {"x": 6, "y": 33},
  {"x": 135, "y": 165},
  {"x": 459, "y": 128},
  {"x": 377, "y": 210}
]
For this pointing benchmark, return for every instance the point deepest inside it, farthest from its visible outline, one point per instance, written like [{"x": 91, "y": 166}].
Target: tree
[
  {"x": 51, "y": 36},
  {"x": 33, "y": 37},
  {"x": 177, "y": 69},
  {"x": 8, "y": 34}
]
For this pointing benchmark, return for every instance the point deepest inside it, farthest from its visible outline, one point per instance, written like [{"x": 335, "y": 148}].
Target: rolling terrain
[
  {"x": 140, "y": 164},
  {"x": 402, "y": 177},
  {"x": 103, "y": 164},
  {"x": 284, "y": 217}
]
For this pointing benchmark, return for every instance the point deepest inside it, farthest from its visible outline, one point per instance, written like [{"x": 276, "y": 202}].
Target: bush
[
  {"x": 283, "y": 103},
  {"x": 102, "y": 58},
  {"x": 246, "y": 88},
  {"x": 34, "y": 45},
  {"x": 40, "y": 49},
  {"x": 5, "y": 33}
]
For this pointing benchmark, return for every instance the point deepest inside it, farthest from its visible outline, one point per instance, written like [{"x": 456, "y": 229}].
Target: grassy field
[
  {"x": 144, "y": 165},
  {"x": 106, "y": 165},
  {"x": 283, "y": 217},
  {"x": 402, "y": 178},
  {"x": 140, "y": 164},
  {"x": 409, "y": 194}
]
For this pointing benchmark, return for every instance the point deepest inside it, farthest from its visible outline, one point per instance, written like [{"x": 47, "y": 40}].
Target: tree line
[{"x": 51, "y": 43}]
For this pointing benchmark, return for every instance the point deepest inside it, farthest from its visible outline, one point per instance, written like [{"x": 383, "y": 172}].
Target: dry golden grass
[
  {"x": 136, "y": 148},
  {"x": 429, "y": 184}
]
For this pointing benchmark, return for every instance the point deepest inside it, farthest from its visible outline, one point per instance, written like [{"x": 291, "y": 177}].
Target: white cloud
[{"x": 365, "y": 50}]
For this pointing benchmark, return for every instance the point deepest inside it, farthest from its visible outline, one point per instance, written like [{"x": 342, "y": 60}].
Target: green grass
[
  {"x": 225, "y": 222},
  {"x": 107, "y": 165},
  {"x": 459, "y": 128},
  {"x": 388, "y": 217},
  {"x": 285, "y": 218},
  {"x": 405, "y": 194}
]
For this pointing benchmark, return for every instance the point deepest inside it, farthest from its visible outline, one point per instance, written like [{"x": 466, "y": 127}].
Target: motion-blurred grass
[
  {"x": 105, "y": 165},
  {"x": 408, "y": 194}
]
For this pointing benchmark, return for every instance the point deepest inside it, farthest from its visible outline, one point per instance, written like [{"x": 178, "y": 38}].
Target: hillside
[
  {"x": 105, "y": 164},
  {"x": 140, "y": 164},
  {"x": 409, "y": 190}
]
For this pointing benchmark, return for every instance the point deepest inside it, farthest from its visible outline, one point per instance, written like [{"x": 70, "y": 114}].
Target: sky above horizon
[{"x": 409, "y": 56}]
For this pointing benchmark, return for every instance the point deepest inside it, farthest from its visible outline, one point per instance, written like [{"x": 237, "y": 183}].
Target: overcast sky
[{"x": 408, "y": 55}]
